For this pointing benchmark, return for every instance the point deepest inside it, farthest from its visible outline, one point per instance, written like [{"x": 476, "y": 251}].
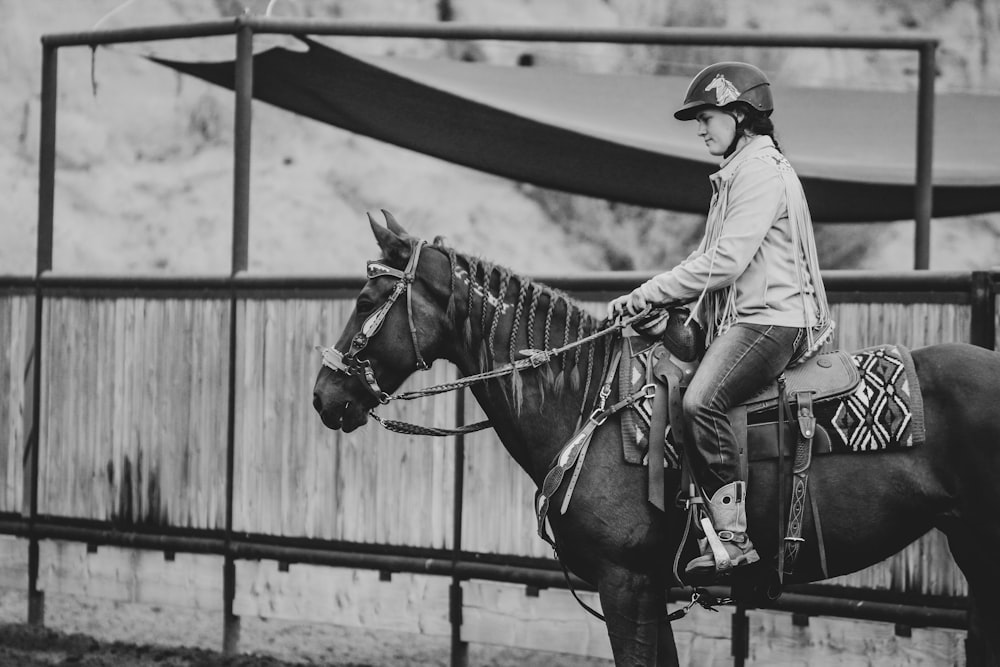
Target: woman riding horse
[{"x": 757, "y": 282}]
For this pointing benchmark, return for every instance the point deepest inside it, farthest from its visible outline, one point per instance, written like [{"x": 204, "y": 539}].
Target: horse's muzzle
[
  {"x": 345, "y": 416},
  {"x": 330, "y": 416},
  {"x": 338, "y": 407}
]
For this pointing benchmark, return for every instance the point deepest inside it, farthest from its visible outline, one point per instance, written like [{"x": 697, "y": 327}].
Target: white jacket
[{"x": 757, "y": 261}]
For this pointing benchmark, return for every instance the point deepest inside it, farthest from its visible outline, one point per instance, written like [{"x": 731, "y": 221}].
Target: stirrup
[{"x": 716, "y": 560}]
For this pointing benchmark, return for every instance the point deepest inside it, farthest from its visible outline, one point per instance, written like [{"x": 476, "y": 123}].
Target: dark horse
[{"x": 425, "y": 302}]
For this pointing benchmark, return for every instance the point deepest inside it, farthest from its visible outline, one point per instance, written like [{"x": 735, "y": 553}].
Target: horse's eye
[{"x": 364, "y": 306}]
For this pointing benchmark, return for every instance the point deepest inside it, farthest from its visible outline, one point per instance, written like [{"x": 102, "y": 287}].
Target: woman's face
[{"x": 717, "y": 129}]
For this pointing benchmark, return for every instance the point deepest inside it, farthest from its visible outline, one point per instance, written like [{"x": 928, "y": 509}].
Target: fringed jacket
[{"x": 757, "y": 262}]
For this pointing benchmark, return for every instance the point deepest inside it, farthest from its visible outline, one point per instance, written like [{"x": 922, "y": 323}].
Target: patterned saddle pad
[{"x": 883, "y": 412}]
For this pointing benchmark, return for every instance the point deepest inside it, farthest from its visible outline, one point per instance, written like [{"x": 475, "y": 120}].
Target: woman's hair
[{"x": 755, "y": 122}]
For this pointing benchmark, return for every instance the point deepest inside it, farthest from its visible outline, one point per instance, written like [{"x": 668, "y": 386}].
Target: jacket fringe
[{"x": 718, "y": 310}]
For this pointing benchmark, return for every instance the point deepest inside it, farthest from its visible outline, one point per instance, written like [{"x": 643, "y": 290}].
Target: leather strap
[
  {"x": 782, "y": 421},
  {"x": 819, "y": 537},
  {"x": 800, "y": 477},
  {"x": 655, "y": 452},
  {"x": 722, "y": 561},
  {"x": 577, "y": 445},
  {"x": 676, "y": 377},
  {"x": 577, "y": 469},
  {"x": 667, "y": 409}
]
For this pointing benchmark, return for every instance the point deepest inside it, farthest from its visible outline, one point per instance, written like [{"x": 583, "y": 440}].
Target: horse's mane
[{"x": 492, "y": 289}]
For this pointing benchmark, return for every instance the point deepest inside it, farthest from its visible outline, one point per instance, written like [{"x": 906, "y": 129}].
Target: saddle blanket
[{"x": 884, "y": 412}]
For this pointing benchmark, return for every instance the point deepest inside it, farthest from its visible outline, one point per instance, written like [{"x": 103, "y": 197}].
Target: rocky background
[{"x": 144, "y": 154}]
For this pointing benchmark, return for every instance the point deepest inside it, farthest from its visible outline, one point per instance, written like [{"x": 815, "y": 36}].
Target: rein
[
  {"x": 350, "y": 364},
  {"x": 534, "y": 359}
]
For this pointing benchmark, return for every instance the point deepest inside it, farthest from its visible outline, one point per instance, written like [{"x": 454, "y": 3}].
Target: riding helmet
[{"x": 724, "y": 83}]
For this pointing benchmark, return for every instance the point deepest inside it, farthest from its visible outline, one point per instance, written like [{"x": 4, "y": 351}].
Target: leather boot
[{"x": 727, "y": 508}]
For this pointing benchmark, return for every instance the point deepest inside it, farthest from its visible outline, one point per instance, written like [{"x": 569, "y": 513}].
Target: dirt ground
[
  {"x": 88, "y": 632},
  {"x": 31, "y": 646}
]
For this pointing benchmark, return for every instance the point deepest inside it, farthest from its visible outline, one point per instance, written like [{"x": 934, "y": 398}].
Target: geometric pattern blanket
[
  {"x": 886, "y": 410},
  {"x": 883, "y": 413}
]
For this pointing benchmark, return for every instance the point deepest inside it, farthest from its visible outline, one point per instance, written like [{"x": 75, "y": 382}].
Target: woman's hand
[
  {"x": 632, "y": 303},
  {"x": 616, "y": 307}
]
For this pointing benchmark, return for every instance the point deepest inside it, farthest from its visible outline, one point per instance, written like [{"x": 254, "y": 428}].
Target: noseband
[{"x": 349, "y": 362}]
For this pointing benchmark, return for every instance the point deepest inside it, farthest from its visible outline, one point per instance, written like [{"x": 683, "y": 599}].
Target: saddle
[
  {"x": 822, "y": 377},
  {"x": 825, "y": 377}
]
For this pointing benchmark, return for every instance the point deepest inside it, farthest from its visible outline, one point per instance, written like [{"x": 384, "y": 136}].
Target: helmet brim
[{"x": 690, "y": 110}]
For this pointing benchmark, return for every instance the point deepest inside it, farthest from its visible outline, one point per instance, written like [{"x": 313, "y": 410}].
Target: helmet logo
[{"x": 725, "y": 91}]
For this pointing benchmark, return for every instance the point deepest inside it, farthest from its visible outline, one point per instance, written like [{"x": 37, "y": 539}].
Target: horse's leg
[
  {"x": 975, "y": 552},
  {"x": 635, "y": 611}
]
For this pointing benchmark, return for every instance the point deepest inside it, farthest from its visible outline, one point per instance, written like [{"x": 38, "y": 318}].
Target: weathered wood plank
[
  {"x": 861, "y": 325},
  {"x": 15, "y": 311},
  {"x": 119, "y": 428}
]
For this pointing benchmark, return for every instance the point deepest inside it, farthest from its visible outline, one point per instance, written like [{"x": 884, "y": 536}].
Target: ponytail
[
  {"x": 757, "y": 122},
  {"x": 754, "y": 122}
]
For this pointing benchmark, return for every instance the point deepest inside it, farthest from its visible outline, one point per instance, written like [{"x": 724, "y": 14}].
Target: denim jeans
[{"x": 736, "y": 365}]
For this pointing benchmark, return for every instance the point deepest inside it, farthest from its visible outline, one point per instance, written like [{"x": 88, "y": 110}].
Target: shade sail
[{"x": 613, "y": 136}]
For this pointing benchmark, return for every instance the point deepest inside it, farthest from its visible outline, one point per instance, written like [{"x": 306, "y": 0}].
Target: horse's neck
[{"x": 498, "y": 314}]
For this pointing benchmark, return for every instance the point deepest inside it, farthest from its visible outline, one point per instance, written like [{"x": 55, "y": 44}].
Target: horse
[{"x": 425, "y": 301}]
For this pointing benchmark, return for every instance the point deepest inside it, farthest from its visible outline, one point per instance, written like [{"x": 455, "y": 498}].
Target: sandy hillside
[{"x": 144, "y": 156}]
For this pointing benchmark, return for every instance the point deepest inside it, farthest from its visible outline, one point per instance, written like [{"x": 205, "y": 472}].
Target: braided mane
[{"x": 491, "y": 292}]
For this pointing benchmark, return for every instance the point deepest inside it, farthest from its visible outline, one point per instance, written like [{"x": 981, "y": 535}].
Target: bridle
[
  {"x": 352, "y": 365},
  {"x": 349, "y": 362}
]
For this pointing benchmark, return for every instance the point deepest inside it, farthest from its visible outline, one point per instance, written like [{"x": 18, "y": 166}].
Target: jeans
[{"x": 736, "y": 366}]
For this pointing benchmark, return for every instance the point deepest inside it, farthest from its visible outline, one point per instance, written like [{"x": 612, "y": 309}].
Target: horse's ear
[
  {"x": 394, "y": 226},
  {"x": 394, "y": 245}
]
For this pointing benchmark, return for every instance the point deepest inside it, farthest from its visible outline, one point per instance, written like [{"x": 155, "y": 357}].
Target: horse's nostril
[{"x": 317, "y": 402}]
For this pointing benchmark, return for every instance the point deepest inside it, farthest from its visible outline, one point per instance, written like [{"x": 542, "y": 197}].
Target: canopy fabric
[{"x": 613, "y": 136}]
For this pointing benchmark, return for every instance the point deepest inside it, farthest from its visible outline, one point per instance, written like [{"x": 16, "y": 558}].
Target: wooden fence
[{"x": 137, "y": 434}]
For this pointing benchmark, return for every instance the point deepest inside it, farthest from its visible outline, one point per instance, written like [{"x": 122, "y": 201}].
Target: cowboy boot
[{"x": 726, "y": 545}]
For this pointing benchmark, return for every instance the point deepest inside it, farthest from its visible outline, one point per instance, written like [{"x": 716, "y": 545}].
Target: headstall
[{"x": 349, "y": 362}]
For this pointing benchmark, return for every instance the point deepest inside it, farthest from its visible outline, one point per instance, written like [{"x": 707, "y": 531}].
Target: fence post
[
  {"x": 43, "y": 263},
  {"x": 923, "y": 206},
  {"x": 740, "y": 637},
  {"x": 459, "y": 648},
  {"x": 982, "y": 301},
  {"x": 240, "y": 261}
]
